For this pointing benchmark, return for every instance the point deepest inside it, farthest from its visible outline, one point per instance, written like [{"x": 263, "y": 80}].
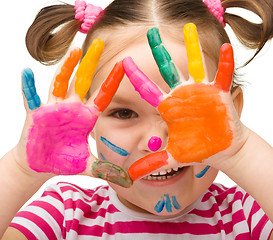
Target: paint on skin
[
  {"x": 167, "y": 202},
  {"x": 203, "y": 172},
  {"x": 225, "y": 71},
  {"x": 109, "y": 87},
  {"x": 195, "y": 62},
  {"x": 154, "y": 143},
  {"x": 102, "y": 157},
  {"x": 160, "y": 205},
  {"x": 62, "y": 78},
  {"x": 58, "y": 139},
  {"x": 29, "y": 89},
  {"x": 148, "y": 164},
  {"x": 175, "y": 203},
  {"x": 87, "y": 68},
  {"x": 146, "y": 88},
  {"x": 163, "y": 59},
  {"x": 114, "y": 148},
  {"x": 111, "y": 172}
]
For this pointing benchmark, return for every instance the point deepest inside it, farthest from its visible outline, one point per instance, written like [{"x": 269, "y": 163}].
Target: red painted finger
[
  {"x": 66, "y": 70},
  {"x": 148, "y": 164},
  {"x": 109, "y": 87},
  {"x": 224, "y": 75}
]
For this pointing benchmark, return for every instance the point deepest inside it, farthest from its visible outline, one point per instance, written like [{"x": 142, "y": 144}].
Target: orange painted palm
[{"x": 201, "y": 119}]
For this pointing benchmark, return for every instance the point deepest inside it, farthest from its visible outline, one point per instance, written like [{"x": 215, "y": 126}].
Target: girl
[{"x": 180, "y": 206}]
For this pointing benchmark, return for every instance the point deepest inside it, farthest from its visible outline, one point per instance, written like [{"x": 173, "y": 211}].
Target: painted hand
[
  {"x": 57, "y": 133},
  {"x": 202, "y": 122}
]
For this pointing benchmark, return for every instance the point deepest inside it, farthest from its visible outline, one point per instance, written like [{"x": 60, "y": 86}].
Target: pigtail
[
  {"x": 51, "y": 33},
  {"x": 251, "y": 35}
]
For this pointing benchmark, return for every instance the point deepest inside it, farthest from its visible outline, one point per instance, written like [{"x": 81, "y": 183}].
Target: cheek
[{"x": 112, "y": 147}]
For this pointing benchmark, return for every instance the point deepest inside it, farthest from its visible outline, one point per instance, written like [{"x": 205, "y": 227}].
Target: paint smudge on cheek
[
  {"x": 203, "y": 172},
  {"x": 114, "y": 148},
  {"x": 58, "y": 138}
]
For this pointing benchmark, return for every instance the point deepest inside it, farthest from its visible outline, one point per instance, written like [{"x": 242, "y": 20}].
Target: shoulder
[{"x": 73, "y": 196}]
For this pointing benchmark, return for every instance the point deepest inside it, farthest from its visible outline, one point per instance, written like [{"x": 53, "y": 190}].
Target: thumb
[
  {"x": 108, "y": 171},
  {"x": 31, "y": 99}
]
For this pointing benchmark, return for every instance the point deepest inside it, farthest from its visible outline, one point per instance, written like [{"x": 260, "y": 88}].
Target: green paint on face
[
  {"x": 163, "y": 59},
  {"x": 111, "y": 172}
]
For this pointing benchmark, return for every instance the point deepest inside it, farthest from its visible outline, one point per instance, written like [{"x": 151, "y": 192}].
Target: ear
[{"x": 238, "y": 99}]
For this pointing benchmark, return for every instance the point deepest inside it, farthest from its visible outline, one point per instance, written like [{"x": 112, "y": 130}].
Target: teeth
[{"x": 162, "y": 174}]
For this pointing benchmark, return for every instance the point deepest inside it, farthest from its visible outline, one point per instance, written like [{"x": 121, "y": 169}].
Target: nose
[
  {"x": 154, "y": 137},
  {"x": 154, "y": 143}
]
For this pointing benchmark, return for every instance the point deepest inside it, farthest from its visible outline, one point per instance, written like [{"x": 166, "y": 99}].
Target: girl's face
[{"x": 124, "y": 129}]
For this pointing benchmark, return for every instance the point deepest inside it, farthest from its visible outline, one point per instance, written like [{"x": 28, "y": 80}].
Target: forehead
[{"x": 141, "y": 53}]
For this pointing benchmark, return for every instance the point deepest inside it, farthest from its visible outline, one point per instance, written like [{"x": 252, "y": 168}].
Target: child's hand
[
  {"x": 203, "y": 124},
  {"x": 55, "y": 136}
]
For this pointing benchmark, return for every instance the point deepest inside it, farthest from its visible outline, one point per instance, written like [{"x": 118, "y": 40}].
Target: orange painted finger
[
  {"x": 148, "y": 164},
  {"x": 109, "y": 87},
  {"x": 62, "y": 78},
  {"x": 224, "y": 75},
  {"x": 88, "y": 67}
]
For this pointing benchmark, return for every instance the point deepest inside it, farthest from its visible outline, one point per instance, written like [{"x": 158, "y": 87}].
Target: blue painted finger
[{"x": 29, "y": 89}]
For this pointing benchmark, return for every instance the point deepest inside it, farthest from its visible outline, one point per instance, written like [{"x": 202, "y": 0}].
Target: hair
[{"x": 124, "y": 22}]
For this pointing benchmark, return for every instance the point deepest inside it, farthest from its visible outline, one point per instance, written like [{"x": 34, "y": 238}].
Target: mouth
[{"x": 165, "y": 174}]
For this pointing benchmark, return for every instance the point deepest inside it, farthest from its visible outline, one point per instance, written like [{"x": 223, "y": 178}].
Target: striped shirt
[{"x": 66, "y": 211}]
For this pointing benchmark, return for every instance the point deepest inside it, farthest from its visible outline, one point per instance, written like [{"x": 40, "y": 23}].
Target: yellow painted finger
[
  {"x": 196, "y": 69},
  {"x": 87, "y": 68}
]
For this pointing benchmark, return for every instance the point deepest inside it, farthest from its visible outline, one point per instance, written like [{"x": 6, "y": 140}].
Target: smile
[{"x": 163, "y": 175}]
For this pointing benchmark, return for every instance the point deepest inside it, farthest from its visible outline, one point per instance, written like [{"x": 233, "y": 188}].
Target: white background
[{"x": 15, "y": 19}]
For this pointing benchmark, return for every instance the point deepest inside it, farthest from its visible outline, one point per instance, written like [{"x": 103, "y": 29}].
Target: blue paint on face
[
  {"x": 29, "y": 89},
  {"x": 102, "y": 157},
  {"x": 160, "y": 205},
  {"x": 175, "y": 203},
  {"x": 203, "y": 172},
  {"x": 114, "y": 148},
  {"x": 168, "y": 203}
]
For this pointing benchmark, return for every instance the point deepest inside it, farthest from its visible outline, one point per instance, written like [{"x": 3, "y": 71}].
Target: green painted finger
[
  {"x": 163, "y": 59},
  {"x": 111, "y": 172}
]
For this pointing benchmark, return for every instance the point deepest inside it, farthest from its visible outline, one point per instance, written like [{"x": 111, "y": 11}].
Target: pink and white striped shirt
[{"x": 66, "y": 211}]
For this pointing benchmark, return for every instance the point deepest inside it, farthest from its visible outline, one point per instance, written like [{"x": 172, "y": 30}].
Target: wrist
[{"x": 254, "y": 155}]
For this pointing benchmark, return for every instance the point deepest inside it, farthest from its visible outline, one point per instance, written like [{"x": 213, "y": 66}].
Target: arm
[
  {"x": 17, "y": 187},
  {"x": 253, "y": 171}
]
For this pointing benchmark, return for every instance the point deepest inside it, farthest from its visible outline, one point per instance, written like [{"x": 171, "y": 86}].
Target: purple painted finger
[{"x": 146, "y": 88}]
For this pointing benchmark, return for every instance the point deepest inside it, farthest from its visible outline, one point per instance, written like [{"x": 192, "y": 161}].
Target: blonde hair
[{"x": 48, "y": 45}]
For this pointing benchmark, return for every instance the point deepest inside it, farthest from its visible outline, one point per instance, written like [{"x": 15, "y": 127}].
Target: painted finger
[
  {"x": 87, "y": 68},
  {"x": 148, "y": 164},
  {"x": 29, "y": 89},
  {"x": 65, "y": 71},
  {"x": 146, "y": 88},
  {"x": 109, "y": 87},
  {"x": 111, "y": 172},
  {"x": 224, "y": 74},
  {"x": 163, "y": 59},
  {"x": 196, "y": 68}
]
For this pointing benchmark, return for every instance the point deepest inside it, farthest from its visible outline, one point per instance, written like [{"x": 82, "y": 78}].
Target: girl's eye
[{"x": 124, "y": 114}]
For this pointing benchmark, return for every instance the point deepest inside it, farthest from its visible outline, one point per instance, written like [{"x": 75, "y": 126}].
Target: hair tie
[
  {"x": 216, "y": 8},
  {"x": 87, "y": 13}
]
